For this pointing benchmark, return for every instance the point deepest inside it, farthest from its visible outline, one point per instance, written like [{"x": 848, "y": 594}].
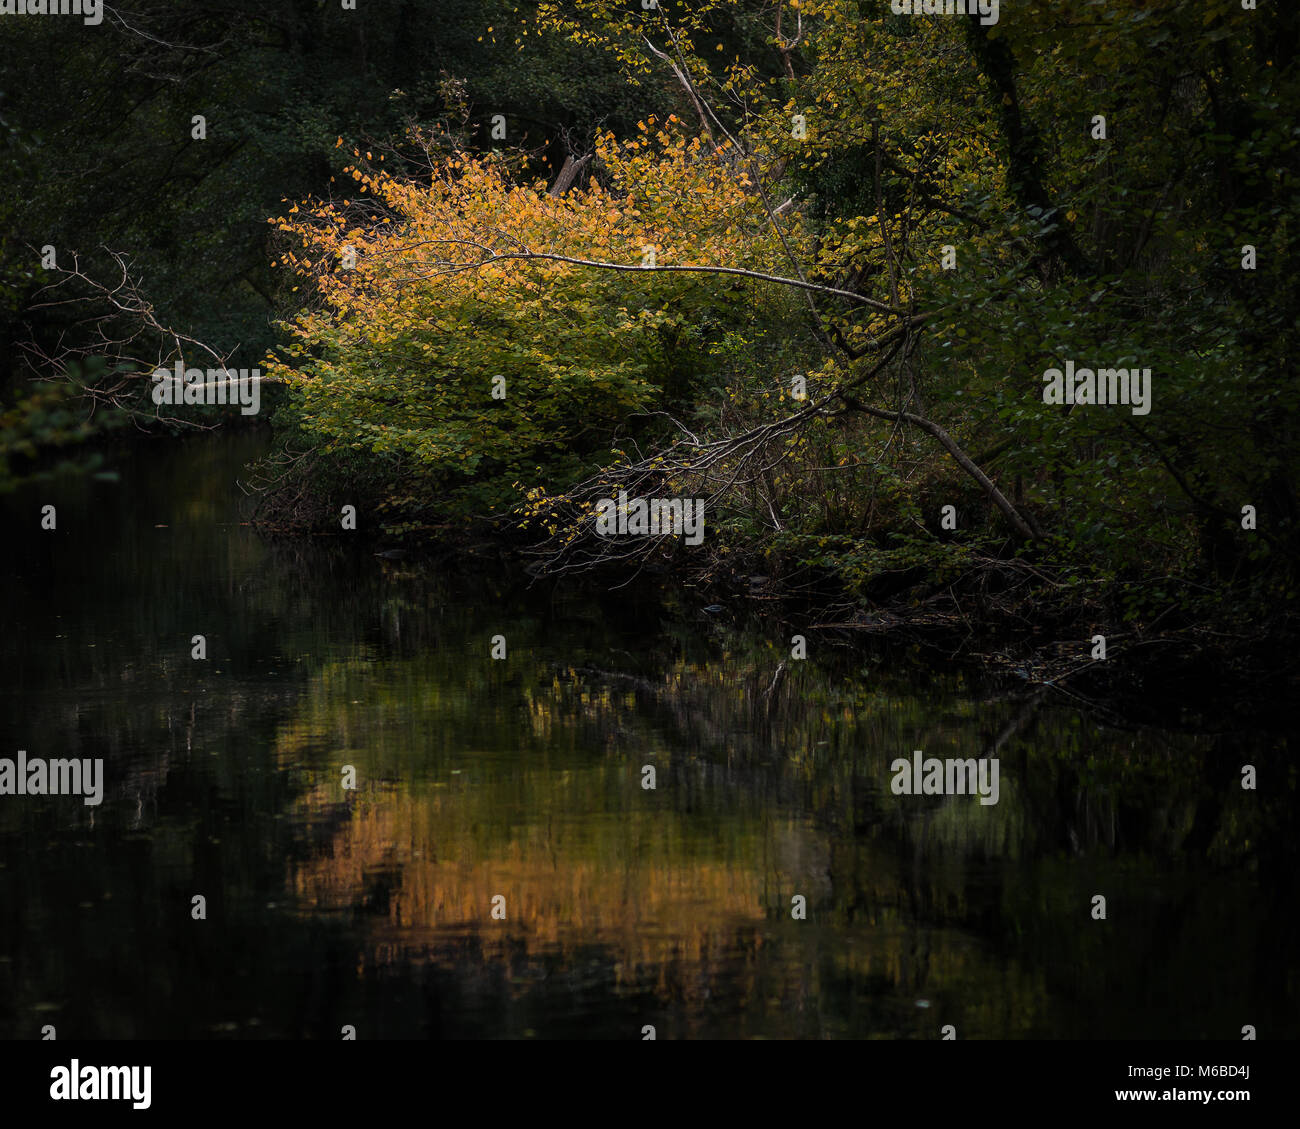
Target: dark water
[{"x": 522, "y": 778}]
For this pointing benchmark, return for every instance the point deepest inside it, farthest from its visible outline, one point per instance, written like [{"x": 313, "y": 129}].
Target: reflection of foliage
[
  {"x": 525, "y": 781},
  {"x": 523, "y": 778}
]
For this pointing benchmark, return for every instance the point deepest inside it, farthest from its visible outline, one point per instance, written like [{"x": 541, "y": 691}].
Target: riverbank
[{"x": 1026, "y": 636}]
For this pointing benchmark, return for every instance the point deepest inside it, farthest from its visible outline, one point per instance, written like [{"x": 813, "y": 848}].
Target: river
[{"x": 499, "y": 870}]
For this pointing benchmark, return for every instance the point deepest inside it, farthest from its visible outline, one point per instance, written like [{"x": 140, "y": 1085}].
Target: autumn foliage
[{"x": 451, "y": 352}]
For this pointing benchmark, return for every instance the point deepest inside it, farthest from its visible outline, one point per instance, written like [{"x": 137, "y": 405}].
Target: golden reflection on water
[{"x": 522, "y": 779}]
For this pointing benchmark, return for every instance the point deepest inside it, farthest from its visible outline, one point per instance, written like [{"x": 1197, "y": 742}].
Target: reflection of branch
[
  {"x": 1028, "y": 707},
  {"x": 776, "y": 681}
]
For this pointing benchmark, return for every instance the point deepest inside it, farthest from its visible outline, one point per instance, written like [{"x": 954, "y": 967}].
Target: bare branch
[
  {"x": 119, "y": 330},
  {"x": 634, "y": 268}
]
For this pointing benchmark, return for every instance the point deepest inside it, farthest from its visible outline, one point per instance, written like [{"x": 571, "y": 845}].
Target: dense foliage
[{"x": 914, "y": 217}]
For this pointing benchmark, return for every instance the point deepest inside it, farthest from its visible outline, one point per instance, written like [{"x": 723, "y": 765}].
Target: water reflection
[{"x": 522, "y": 779}]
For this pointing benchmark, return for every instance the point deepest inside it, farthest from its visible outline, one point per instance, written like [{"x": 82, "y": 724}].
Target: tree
[{"x": 938, "y": 219}]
